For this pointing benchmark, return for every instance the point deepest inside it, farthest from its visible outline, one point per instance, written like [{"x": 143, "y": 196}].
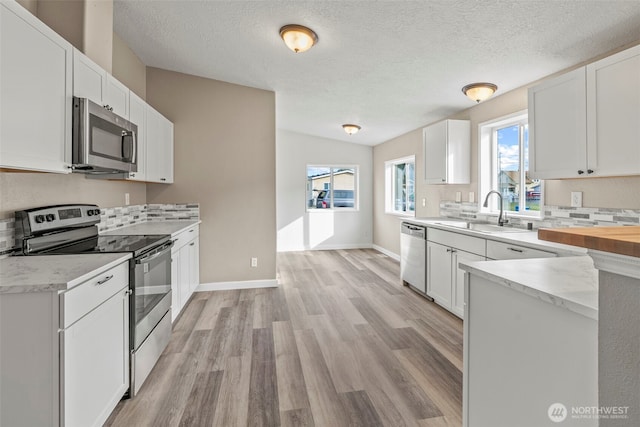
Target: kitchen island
[
  {"x": 616, "y": 254},
  {"x": 530, "y": 341}
]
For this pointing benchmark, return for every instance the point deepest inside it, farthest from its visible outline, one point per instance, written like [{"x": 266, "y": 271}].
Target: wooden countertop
[{"x": 623, "y": 240}]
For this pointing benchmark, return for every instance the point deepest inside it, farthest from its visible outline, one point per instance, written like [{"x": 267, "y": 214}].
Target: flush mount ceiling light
[
  {"x": 479, "y": 91},
  {"x": 351, "y": 129},
  {"x": 298, "y": 38}
]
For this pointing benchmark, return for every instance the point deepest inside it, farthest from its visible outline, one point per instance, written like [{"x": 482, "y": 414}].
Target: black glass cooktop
[{"x": 136, "y": 244}]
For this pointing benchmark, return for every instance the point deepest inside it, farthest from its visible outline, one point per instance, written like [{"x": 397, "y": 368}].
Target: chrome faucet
[{"x": 502, "y": 219}]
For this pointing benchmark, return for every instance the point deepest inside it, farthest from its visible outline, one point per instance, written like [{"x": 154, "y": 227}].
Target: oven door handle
[{"x": 160, "y": 251}]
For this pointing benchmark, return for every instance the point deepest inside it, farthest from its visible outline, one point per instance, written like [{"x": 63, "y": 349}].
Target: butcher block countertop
[{"x": 623, "y": 240}]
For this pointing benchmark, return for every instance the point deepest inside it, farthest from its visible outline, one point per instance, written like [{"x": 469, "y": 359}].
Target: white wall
[{"x": 302, "y": 230}]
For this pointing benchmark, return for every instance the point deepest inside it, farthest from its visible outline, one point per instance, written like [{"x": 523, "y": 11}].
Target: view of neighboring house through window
[
  {"x": 505, "y": 166},
  {"x": 400, "y": 185},
  {"x": 332, "y": 187}
]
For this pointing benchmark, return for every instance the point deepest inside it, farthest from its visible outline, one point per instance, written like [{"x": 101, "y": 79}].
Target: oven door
[{"x": 151, "y": 297}]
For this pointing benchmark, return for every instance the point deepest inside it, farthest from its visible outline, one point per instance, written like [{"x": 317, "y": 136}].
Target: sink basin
[{"x": 481, "y": 226}]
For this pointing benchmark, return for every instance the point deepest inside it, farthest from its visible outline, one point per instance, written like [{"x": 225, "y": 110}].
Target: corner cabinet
[
  {"x": 185, "y": 269},
  {"x": 447, "y": 152},
  {"x": 587, "y": 122},
  {"x": 66, "y": 363},
  {"x": 159, "y": 145},
  {"x": 36, "y": 86}
]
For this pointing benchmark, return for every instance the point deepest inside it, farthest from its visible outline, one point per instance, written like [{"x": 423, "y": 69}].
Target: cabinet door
[
  {"x": 88, "y": 78},
  {"x": 194, "y": 264},
  {"x": 159, "y": 148},
  {"x": 95, "y": 363},
  {"x": 439, "y": 274},
  {"x": 613, "y": 109},
  {"x": 458, "y": 275},
  {"x": 116, "y": 96},
  {"x": 557, "y": 126},
  {"x": 137, "y": 115},
  {"x": 184, "y": 286},
  {"x": 435, "y": 153},
  {"x": 175, "y": 286},
  {"x": 36, "y": 87}
]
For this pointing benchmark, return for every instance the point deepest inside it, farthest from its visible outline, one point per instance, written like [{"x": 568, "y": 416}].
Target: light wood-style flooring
[{"x": 340, "y": 343}]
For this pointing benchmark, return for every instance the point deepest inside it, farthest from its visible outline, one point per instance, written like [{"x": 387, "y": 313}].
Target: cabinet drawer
[
  {"x": 185, "y": 237},
  {"x": 83, "y": 298},
  {"x": 499, "y": 250},
  {"x": 463, "y": 242}
]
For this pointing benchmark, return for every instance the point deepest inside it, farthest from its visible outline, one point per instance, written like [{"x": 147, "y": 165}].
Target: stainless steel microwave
[{"x": 103, "y": 142}]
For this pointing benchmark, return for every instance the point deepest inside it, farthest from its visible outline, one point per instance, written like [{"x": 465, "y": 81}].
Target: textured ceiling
[{"x": 389, "y": 66}]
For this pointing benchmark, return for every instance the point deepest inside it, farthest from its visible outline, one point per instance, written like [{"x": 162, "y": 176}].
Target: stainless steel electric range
[{"x": 72, "y": 229}]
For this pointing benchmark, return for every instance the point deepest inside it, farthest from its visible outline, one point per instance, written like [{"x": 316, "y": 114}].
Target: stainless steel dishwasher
[{"x": 413, "y": 261}]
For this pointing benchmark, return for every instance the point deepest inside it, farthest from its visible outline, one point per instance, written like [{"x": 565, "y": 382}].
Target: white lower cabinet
[
  {"x": 445, "y": 281},
  {"x": 185, "y": 269},
  {"x": 65, "y": 355},
  {"x": 95, "y": 362}
]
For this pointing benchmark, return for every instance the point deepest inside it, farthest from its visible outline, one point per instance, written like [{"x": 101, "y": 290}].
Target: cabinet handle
[
  {"x": 451, "y": 250},
  {"x": 163, "y": 179},
  {"x": 191, "y": 231},
  {"x": 103, "y": 281},
  {"x": 192, "y": 243},
  {"x": 516, "y": 250},
  {"x": 590, "y": 171},
  {"x": 580, "y": 171},
  {"x": 128, "y": 292}
]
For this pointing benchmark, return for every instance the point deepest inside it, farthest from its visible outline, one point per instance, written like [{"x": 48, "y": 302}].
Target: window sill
[
  {"x": 401, "y": 214},
  {"x": 333, "y": 210}
]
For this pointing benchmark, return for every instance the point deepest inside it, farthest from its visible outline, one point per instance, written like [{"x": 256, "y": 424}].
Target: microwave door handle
[
  {"x": 125, "y": 134},
  {"x": 134, "y": 137}
]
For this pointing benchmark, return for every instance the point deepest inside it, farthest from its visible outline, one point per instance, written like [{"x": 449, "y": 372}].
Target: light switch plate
[
  {"x": 472, "y": 196},
  {"x": 458, "y": 196},
  {"x": 576, "y": 199}
]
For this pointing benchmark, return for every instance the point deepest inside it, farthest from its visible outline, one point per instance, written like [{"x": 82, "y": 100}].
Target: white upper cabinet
[
  {"x": 93, "y": 82},
  {"x": 137, "y": 115},
  {"x": 36, "y": 87},
  {"x": 159, "y": 144},
  {"x": 587, "y": 122},
  {"x": 558, "y": 127},
  {"x": 447, "y": 150},
  {"x": 613, "y": 113}
]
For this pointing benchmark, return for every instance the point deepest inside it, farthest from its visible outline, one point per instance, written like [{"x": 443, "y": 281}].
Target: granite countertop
[
  {"x": 154, "y": 227},
  {"x": 622, "y": 240},
  {"x": 568, "y": 282},
  {"x": 39, "y": 273},
  {"x": 511, "y": 235}
]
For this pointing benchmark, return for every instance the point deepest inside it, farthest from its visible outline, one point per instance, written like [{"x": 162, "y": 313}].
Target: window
[
  {"x": 400, "y": 183},
  {"x": 504, "y": 166},
  {"x": 332, "y": 187}
]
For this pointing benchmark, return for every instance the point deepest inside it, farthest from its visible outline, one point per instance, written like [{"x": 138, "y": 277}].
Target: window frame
[
  {"x": 331, "y": 167},
  {"x": 389, "y": 177},
  {"x": 488, "y": 165}
]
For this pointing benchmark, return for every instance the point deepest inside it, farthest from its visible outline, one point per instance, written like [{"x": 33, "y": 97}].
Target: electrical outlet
[
  {"x": 126, "y": 199},
  {"x": 458, "y": 196},
  {"x": 472, "y": 196},
  {"x": 576, "y": 199},
  {"x": 424, "y": 202},
  {"x": 254, "y": 262}
]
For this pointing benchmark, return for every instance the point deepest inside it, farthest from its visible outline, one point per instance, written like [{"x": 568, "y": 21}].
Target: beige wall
[
  {"x": 225, "y": 160},
  {"x": 128, "y": 68},
  {"x": 86, "y": 24},
  {"x": 19, "y": 190}
]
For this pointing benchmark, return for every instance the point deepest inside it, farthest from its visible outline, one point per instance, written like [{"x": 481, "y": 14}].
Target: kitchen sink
[{"x": 482, "y": 227}]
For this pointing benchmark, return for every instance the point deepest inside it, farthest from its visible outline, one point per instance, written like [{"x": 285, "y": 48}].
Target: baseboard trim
[
  {"x": 386, "y": 252},
  {"x": 241, "y": 284},
  {"x": 331, "y": 247}
]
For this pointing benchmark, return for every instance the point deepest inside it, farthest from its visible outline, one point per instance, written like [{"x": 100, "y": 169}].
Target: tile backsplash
[
  {"x": 112, "y": 218},
  {"x": 554, "y": 216}
]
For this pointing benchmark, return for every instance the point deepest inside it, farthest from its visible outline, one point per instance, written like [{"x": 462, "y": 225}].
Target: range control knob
[
  {"x": 50, "y": 217},
  {"x": 39, "y": 219},
  {"x": 89, "y": 212}
]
